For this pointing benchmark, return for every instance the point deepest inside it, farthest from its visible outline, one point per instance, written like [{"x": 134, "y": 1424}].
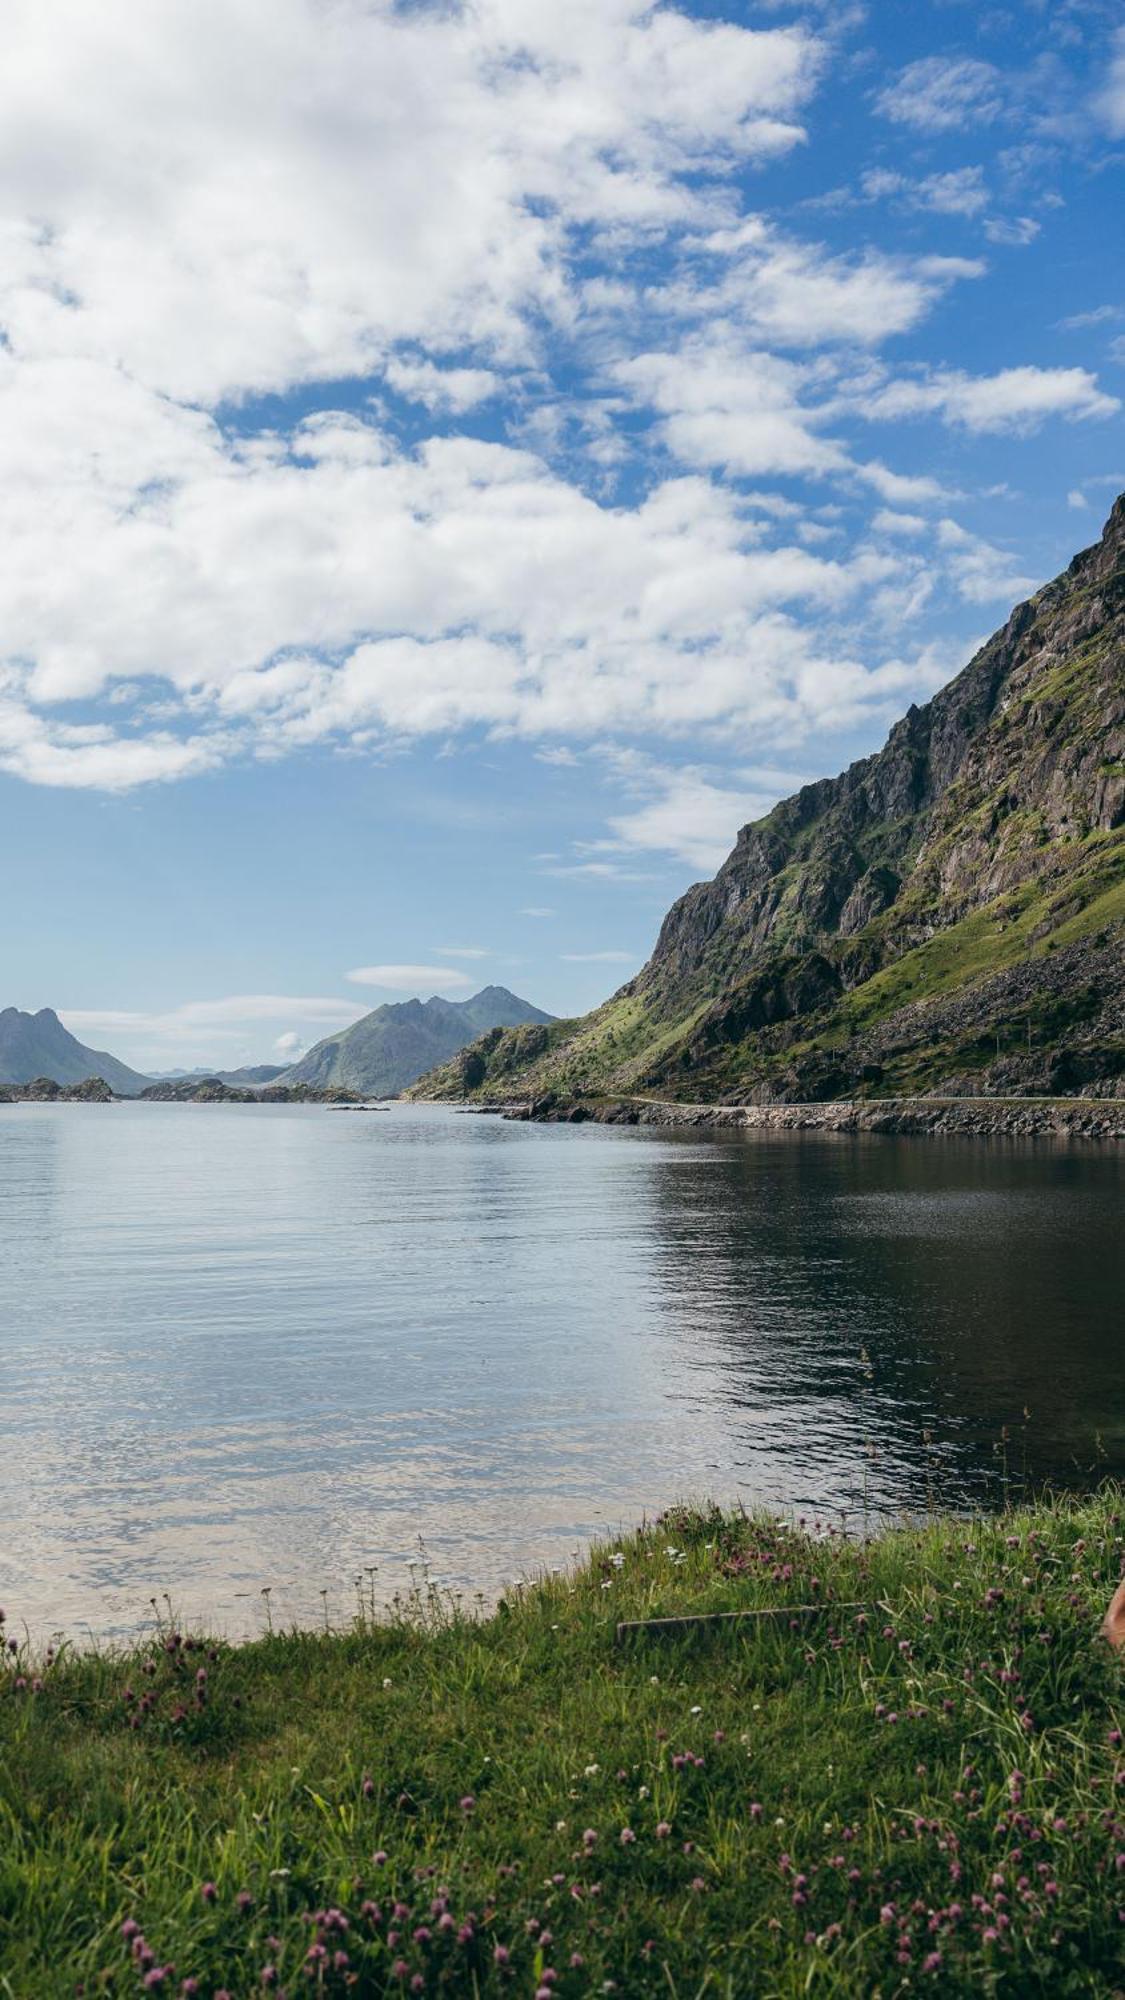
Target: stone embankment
[{"x": 973, "y": 1117}]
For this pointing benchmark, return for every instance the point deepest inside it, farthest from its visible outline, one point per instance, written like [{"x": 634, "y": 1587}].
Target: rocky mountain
[
  {"x": 37, "y": 1047},
  {"x": 397, "y": 1043},
  {"x": 946, "y": 917}
]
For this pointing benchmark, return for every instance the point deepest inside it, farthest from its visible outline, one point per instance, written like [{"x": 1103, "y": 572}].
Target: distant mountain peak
[
  {"x": 34, "y": 1046},
  {"x": 399, "y": 1041}
]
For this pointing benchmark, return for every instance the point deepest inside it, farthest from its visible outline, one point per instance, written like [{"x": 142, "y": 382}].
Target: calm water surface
[{"x": 244, "y": 1346}]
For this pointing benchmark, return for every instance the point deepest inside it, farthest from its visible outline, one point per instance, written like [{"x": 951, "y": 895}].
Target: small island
[{"x": 189, "y": 1090}]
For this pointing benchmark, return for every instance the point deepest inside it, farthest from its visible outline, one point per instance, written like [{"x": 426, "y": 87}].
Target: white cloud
[
  {"x": 536, "y": 910},
  {"x": 801, "y": 295},
  {"x": 597, "y": 871},
  {"x": 1015, "y": 230},
  {"x": 887, "y": 523},
  {"x": 210, "y": 201},
  {"x": 309, "y": 164},
  {"x": 47, "y": 751},
  {"x": 724, "y": 405},
  {"x": 410, "y": 978},
  {"x": 1015, "y": 399},
  {"x": 1097, "y": 316},
  {"x": 1110, "y": 101},
  {"x": 943, "y": 94},
  {"x": 462, "y": 951},
  {"x": 207, "y": 202},
  {"x": 232, "y": 1011},
  {"x": 361, "y": 590},
  {"x": 958, "y": 192},
  {"x": 218, "y": 1034},
  {"x": 599, "y": 957},
  {"x": 982, "y": 573},
  {"x": 450, "y": 389},
  {"x": 685, "y": 812},
  {"x": 901, "y": 488},
  {"x": 1076, "y": 499}
]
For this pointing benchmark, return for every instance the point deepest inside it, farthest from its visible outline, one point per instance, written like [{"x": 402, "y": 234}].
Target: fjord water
[{"x": 275, "y": 1346}]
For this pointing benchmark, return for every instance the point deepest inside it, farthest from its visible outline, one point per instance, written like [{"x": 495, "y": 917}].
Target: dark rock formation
[{"x": 44, "y": 1090}]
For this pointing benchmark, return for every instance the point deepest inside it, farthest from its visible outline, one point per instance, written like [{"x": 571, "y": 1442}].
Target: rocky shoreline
[{"x": 971, "y": 1117}]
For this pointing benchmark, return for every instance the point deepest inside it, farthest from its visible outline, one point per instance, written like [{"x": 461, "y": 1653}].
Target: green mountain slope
[
  {"x": 391, "y": 1047},
  {"x": 947, "y": 916},
  {"x": 37, "y": 1045}
]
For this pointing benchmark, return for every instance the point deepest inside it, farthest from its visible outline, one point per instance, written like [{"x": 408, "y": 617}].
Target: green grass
[{"x": 922, "y": 1797}]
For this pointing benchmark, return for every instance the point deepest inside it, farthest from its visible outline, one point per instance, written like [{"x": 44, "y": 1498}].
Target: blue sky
[{"x": 459, "y": 464}]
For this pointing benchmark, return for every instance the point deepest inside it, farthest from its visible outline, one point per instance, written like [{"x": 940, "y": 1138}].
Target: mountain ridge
[
  {"x": 946, "y": 914},
  {"x": 389, "y": 1048}
]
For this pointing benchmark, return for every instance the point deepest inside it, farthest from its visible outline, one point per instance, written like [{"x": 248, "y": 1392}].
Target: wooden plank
[{"x": 661, "y": 1628}]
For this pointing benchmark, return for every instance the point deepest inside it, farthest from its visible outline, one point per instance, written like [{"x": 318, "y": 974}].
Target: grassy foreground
[{"x": 925, "y": 1795}]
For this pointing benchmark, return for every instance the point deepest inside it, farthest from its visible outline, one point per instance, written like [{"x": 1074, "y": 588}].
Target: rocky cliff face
[{"x": 948, "y": 914}]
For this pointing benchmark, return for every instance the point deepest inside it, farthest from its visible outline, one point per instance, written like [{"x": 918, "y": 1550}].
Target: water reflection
[
  {"x": 915, "y": 1301},
  {"x": 243, "y": 1346}
]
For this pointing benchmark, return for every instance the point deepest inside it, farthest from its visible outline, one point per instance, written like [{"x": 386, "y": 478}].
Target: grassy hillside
[{"x": 919, "y": 1790}]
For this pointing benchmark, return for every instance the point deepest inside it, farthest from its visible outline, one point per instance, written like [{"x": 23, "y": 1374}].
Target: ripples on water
[{"x": 245, "y": 1345}]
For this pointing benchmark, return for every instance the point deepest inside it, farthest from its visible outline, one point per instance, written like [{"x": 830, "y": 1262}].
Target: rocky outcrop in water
[
  {"x": 210, "y": 1090},
  {"x": 44, "y": 1090}
]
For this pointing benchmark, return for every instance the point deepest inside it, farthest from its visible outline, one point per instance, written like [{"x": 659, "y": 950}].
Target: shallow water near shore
[{"x": 249, "y": 1346}]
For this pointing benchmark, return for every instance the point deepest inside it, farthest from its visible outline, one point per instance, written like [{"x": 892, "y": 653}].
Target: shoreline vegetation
[{"x": 909, "y": 1779}]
